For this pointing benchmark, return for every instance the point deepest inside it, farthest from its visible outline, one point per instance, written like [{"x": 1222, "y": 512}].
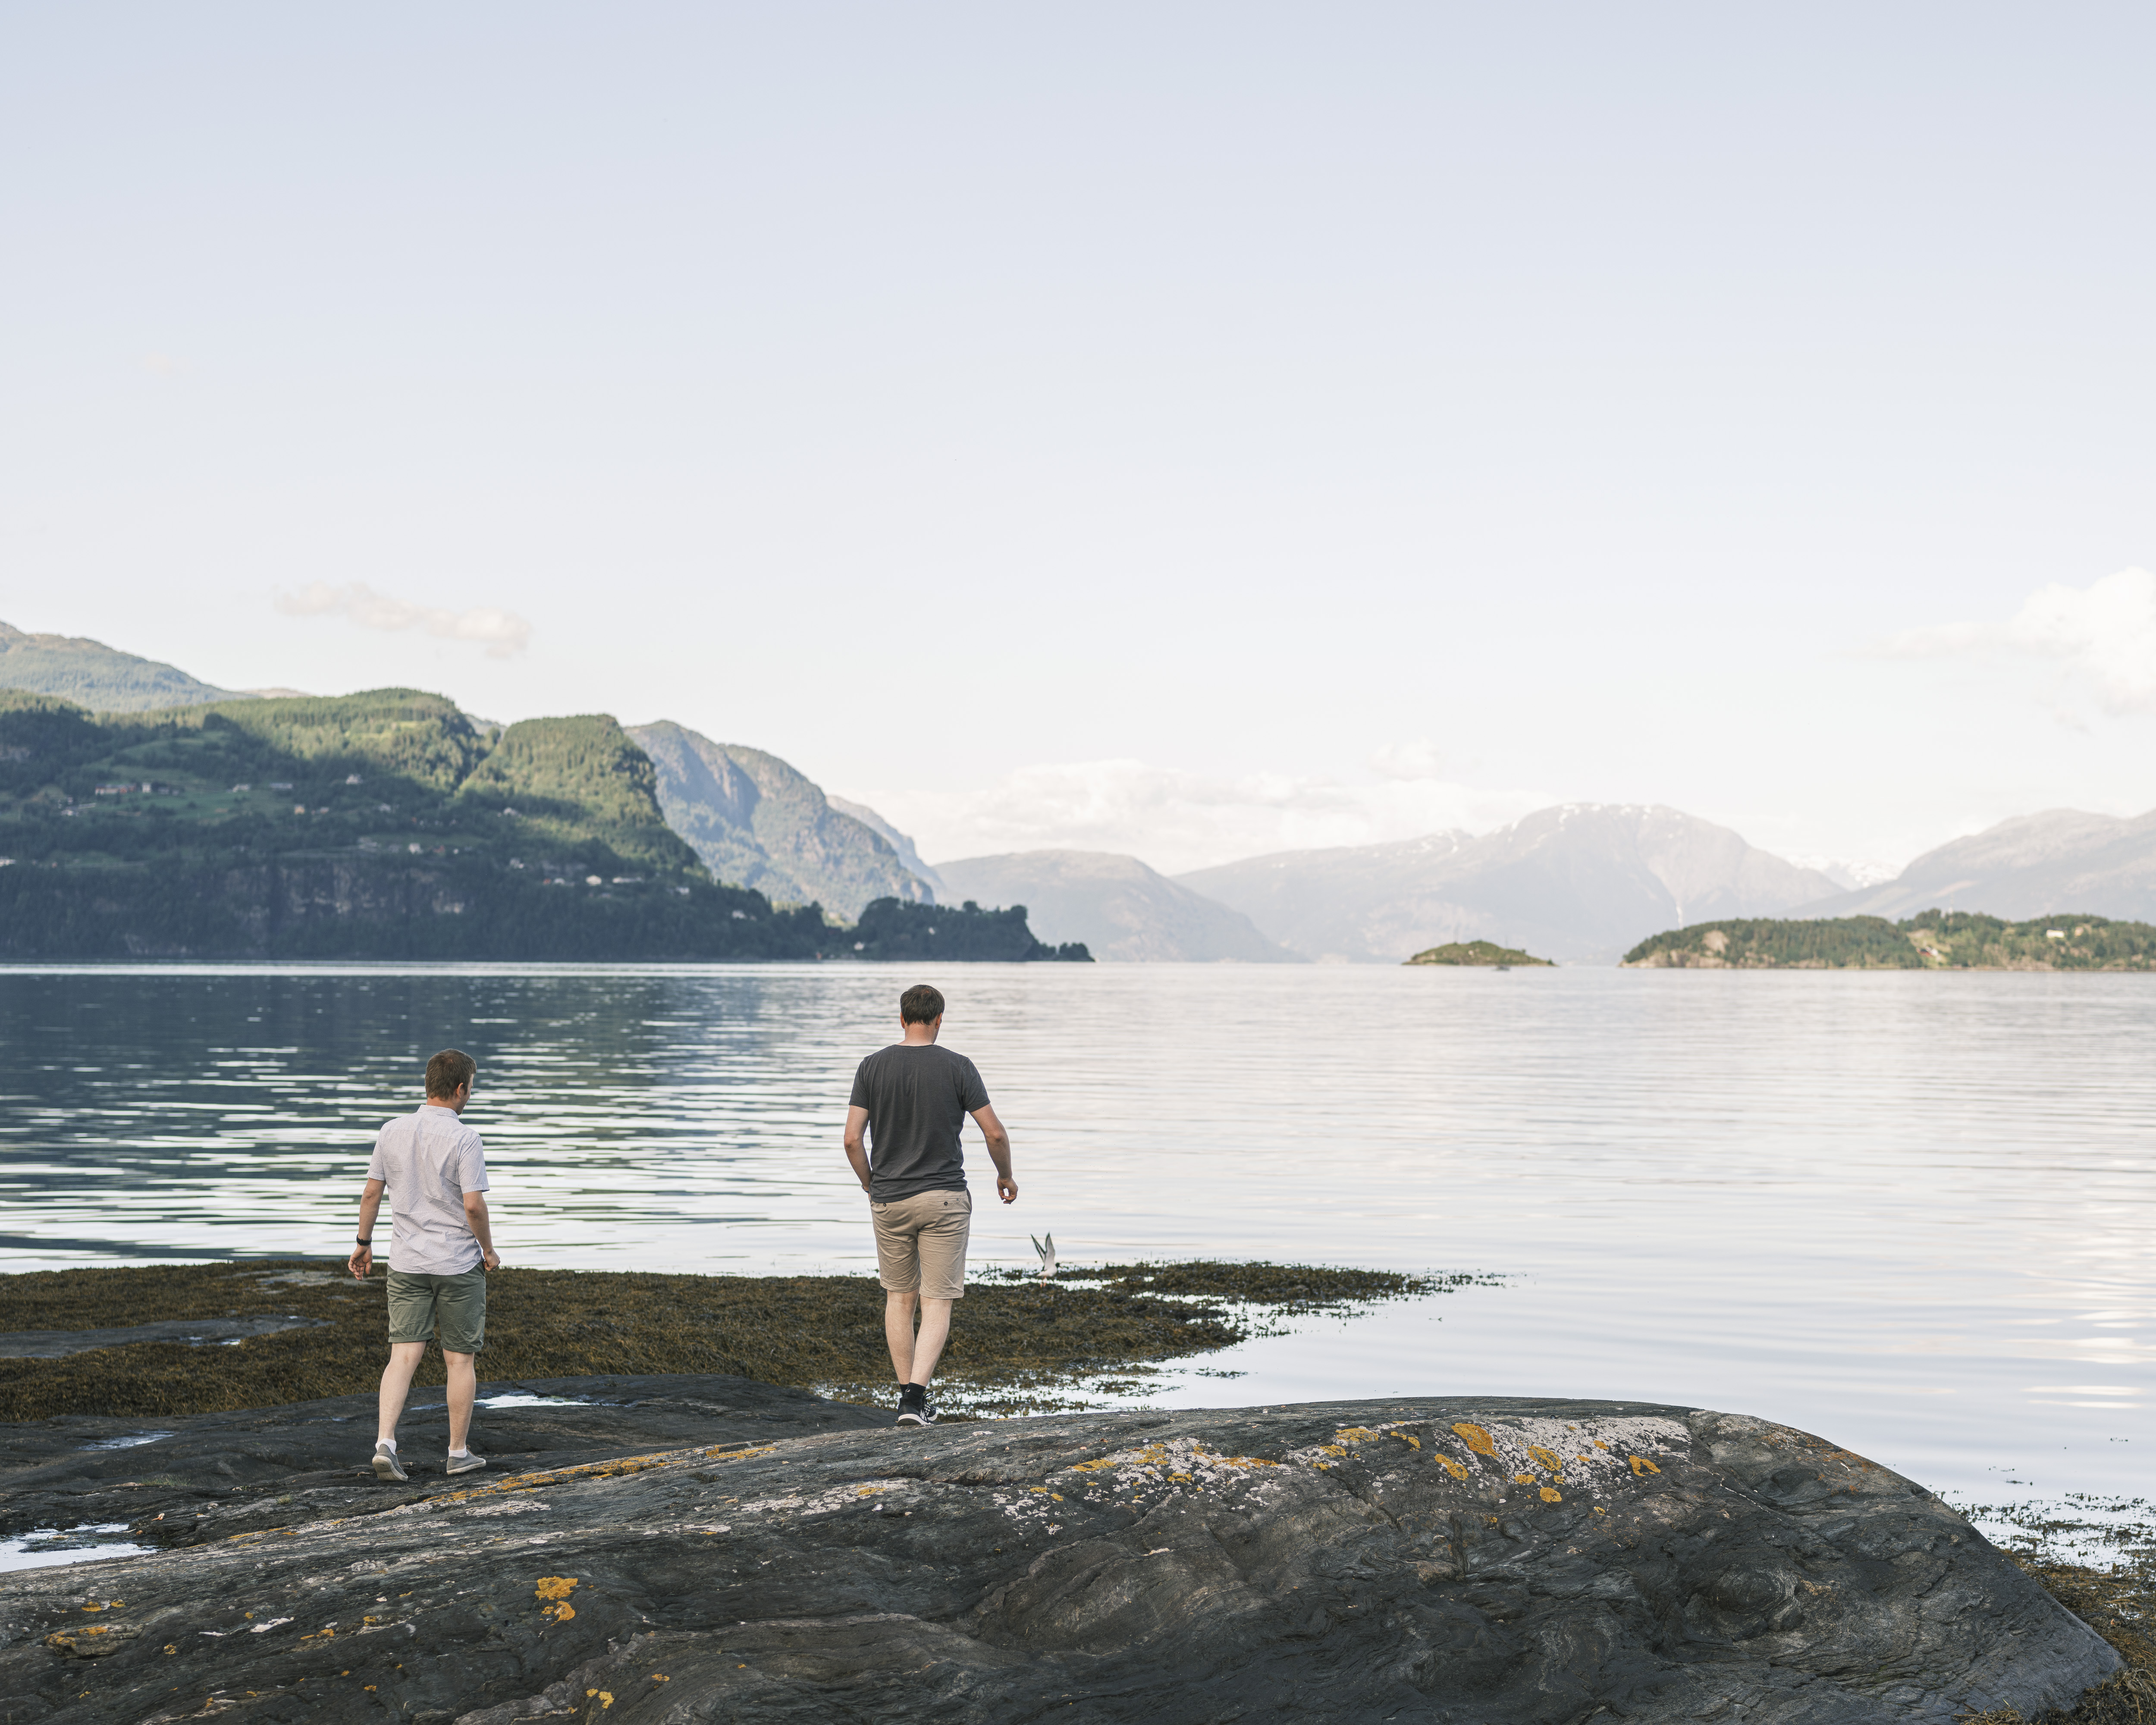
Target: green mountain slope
[
  {"x": 94, "y": 675},
  {"x": 380, "y": 825},
  {"x": 758, "y": 821},
  {"x": 1935, "y": 940},
  {"x": 377, "y": 825}
]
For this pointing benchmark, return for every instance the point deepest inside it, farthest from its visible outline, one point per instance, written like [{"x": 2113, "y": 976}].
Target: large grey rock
[
  {"x": 198, "y": 1477},
  {"x": 1433, "y": 1560}
]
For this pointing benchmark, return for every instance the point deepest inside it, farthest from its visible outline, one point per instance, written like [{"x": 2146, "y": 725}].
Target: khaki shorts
[
  {"x": 921, "y": 1243},
  {"x": 459, "y": 1303}
]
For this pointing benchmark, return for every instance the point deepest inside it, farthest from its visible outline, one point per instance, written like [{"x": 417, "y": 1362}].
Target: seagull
[{"x": 1047, "y": 1255}]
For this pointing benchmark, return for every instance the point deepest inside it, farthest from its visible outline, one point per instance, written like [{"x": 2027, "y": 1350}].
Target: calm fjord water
[{"x": 1911, "y": 1212}]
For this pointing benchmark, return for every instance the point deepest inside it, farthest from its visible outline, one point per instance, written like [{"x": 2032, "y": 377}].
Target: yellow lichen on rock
[
  {"x": 557, "y": 1589},
  {"x": 1477, "y": 1440}
]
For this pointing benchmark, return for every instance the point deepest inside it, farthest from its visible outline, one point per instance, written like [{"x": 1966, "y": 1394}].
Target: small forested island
[
  {"x": 388, "y": 825},
  {"x": 1486, "y": 953},
  {"x": 1932, "y": 940}
]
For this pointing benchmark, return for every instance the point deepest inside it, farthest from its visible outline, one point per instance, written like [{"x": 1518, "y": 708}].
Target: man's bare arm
[
  {"x": 857, "y": 1152},
  {"x": 370, "y": 1206},
  {"x": 992, "y": 1129},
  {"x": 475, "y": 1218}
]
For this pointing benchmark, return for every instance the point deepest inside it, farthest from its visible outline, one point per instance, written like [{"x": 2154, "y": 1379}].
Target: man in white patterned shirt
[{"x": 433, "y": 1167}]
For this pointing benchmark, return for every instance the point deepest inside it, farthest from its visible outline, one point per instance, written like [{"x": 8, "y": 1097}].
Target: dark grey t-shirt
[{"x": 917, "y": 1096}]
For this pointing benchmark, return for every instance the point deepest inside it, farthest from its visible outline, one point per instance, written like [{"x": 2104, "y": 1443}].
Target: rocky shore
[{"x": 709, "y": 1548}]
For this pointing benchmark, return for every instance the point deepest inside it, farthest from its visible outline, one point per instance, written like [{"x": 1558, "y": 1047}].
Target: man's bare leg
[
  {"x": 464, "y": 1387},
  {"x": 404, "y": 1358},
  {"x": 928, "y": 1345},
  {"x": 898, "y": 1331}
]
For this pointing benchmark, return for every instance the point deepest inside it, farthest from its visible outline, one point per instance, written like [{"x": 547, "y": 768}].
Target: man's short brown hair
[
  {"x": 449, "y": 1071},
  {"x": 920, "y": 1005}
]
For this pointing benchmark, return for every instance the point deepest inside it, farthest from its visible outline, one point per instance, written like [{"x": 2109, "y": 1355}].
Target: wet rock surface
[
  {"x": 1480, "y": 1561},
  {"x": 183, "y": 1481},
  {"x": 60, "y": 1344}
]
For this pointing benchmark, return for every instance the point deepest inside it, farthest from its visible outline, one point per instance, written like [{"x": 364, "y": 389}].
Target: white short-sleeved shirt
[{"x": 428, "y": 1161}]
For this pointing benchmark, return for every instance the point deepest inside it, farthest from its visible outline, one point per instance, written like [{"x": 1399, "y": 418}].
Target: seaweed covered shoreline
[
  {"x": 2063, "y": 1547},
  {"x": 1018, "y": 1345}
]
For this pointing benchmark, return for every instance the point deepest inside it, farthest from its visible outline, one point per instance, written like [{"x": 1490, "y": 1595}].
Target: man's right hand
[{"x": 490, "y": 1260}]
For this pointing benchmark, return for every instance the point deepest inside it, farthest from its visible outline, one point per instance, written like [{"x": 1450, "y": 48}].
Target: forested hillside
[
  {"x": 378, "y": 825},
  {"x": 1933, "y": 940}
]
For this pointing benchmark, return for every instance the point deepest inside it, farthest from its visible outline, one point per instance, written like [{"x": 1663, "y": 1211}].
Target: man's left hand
[
  {"x": 361, "y": 1262},
  {"x": 1006, "y": 1188}
]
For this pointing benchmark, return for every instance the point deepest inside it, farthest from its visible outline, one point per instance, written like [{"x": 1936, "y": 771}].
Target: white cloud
[
  {"x": 2102, "y": 637},
  {"x": 1419, "y": 759},
  {"x": 503, "y": 633},
  {"x": 1176, "y": 820}
]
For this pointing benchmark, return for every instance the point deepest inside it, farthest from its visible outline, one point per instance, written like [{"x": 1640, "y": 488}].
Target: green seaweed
[{"x": 1017, "y": 1343}]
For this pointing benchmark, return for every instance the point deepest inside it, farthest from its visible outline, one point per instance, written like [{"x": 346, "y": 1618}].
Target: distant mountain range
[
  {"x": 2031, "y": 865},
  {"x": 99, "y": 677},
  {"x": 1115, "y": 905},
  {"x": 1579, "y": 883},
  {"x": 758, "y": 821}
]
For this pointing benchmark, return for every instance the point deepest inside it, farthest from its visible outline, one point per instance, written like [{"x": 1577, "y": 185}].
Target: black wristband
[{"x": 363, "y": 1242}]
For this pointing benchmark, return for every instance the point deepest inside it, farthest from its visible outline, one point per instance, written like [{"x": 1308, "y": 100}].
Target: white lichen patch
[
  {"x": 875, "y": 1495},
  {"x": 508, "y": 1506},
  {"x": 1178, "y": 1467},
  {"x": 1550, "y": 1457}
]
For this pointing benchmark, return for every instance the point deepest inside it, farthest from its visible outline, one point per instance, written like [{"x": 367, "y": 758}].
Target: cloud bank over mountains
[{"x": 1180, "y": 820}]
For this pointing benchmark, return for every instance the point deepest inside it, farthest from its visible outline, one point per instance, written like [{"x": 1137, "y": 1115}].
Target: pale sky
[{"x": 1193, "y": 429}]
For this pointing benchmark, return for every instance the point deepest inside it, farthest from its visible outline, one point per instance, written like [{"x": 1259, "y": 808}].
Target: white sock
[
  {"x": 388, "y": 1443},
  {"x": 459, "y": 1454}
]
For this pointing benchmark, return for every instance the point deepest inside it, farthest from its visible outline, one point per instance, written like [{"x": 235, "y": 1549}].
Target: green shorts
[{"x": 417, "y": 1301}]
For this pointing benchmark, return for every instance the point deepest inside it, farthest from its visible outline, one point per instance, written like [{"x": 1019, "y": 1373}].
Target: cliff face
[
  {"x": 757, "y": 822},
  {"x": 1504, "y": 1562}
]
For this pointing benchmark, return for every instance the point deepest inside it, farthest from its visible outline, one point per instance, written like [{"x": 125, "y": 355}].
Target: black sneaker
[{"x": 913, "y": 1409}]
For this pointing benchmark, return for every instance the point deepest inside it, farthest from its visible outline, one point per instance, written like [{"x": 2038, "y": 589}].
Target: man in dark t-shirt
[{"x": 912, "y": 1099}]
